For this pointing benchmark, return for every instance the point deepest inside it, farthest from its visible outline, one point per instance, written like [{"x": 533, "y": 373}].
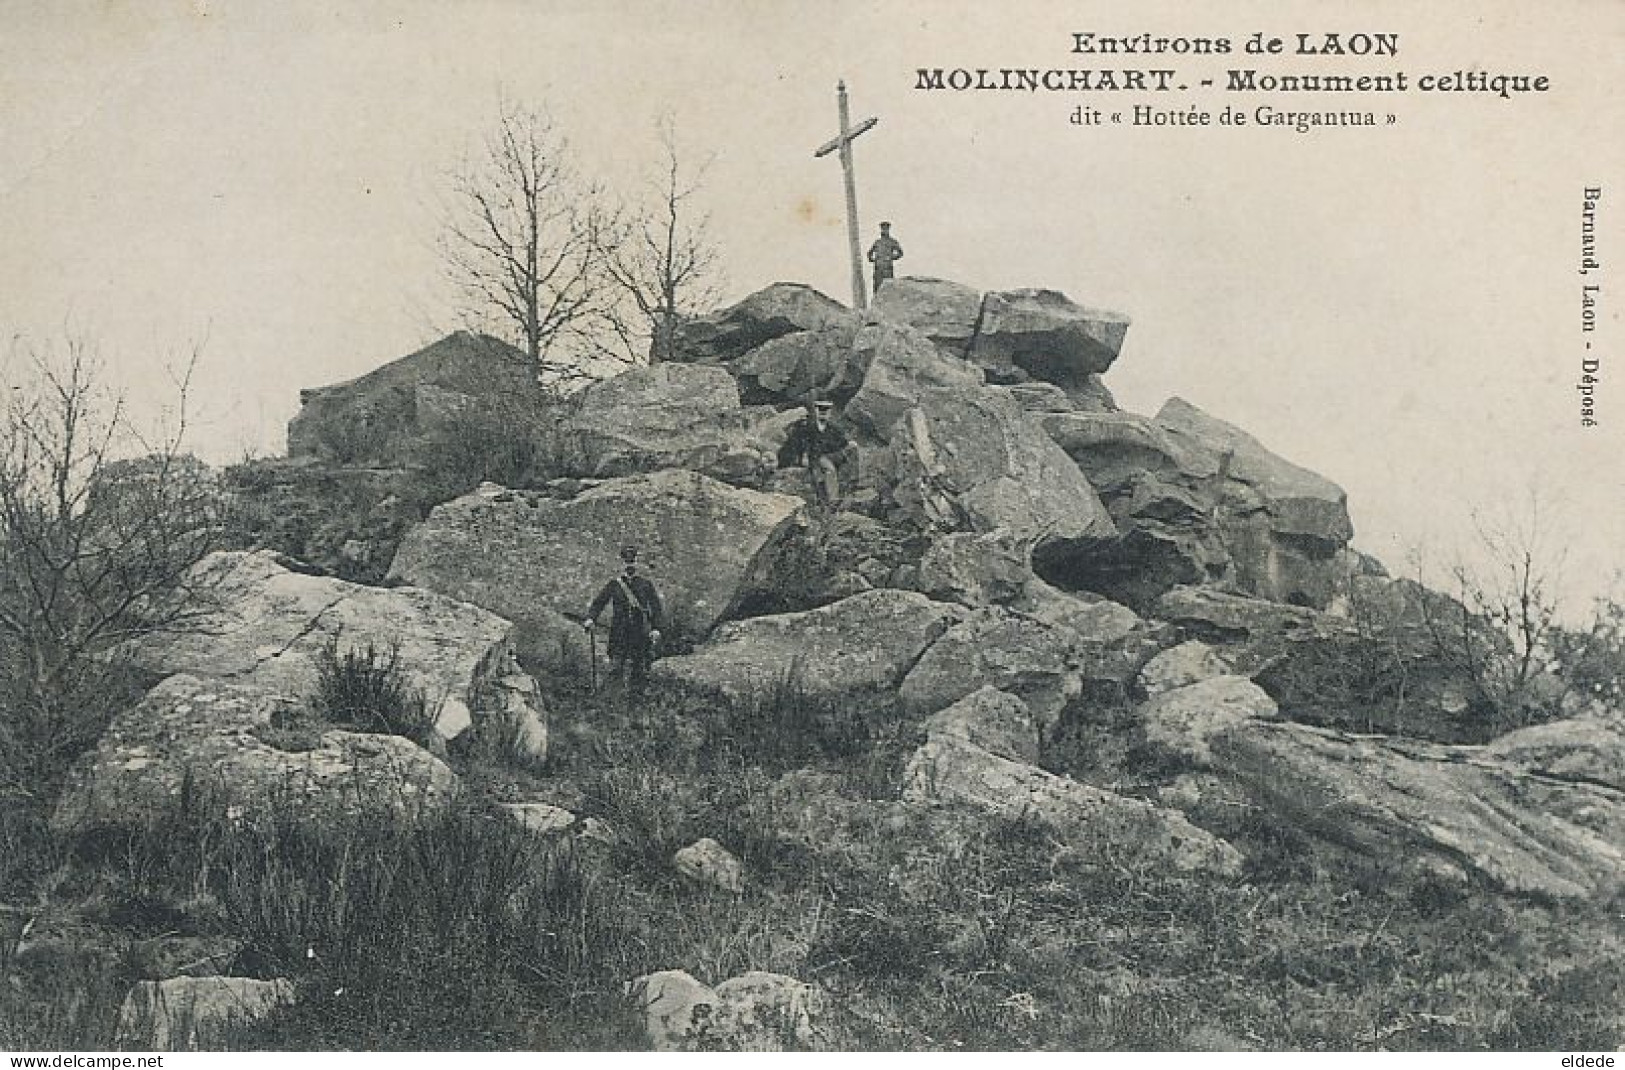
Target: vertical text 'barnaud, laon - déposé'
[{"x": 1590, "y": 300}]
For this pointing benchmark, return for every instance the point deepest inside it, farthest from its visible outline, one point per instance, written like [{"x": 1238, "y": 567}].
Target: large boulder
[
  {"x": 859, "y": 646},
  {"x": 1190, "y": 662},
  {"x": 1113, "y": 448},
  {"x": 996, "y": 721},
  {"x": 1299, "y": 501},
  {"x": 991, "y": 569},
  {"x": 976, "y": 568},
  {"x": 1372, "y": 664},
  {"x": 384, "y": 415},
  {"x": 1181, "y": 720},
  {"x": 830, "y": 556},
  {"x": 793, "y": 367},
  {"x": 211, "y": 745},
  {"x": 1580, "y": 748},
  {"x": 1263, "y": 627},
  {"x": 265, "y": 625},
  {"x": 1043, "y": 334},
  {"x": 950, "y": 769},
  {"x": 665, "y": 416},
  {"x": 945, "y": 312},
  {"x": 538, "y": 560},
  {"x": 195, "y": 1013},
  {"x": 1428, "y": 807},
  {"x": 1001, "y": 469},
  {"x": 345, "y": 521},
  {"x": 900, "y": 366},
  {"x": 1283, "y": 525},
  {"x": 1014, "y": 653},
  {"x": 1201, "y": 502},
  {"x": 1096, "y": 623},
  {"x": 777, "y": 310}
]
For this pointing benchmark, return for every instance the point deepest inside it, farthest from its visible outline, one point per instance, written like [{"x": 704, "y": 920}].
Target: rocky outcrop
[
  {"x": 794, "y": 367},
  {"x": 1190, "y": 662},
  {"x": 977, "y": 448},
  {"x": 901, "y": 366},
  {"x": 1016, "y": 654},
  {"x": 1464, "y": 811},
  {"x": 1575, "y": 749},
  {"x": 1181, "y": 720},
  {"x": 951, "y": 770},
  {"x": 195, "y": 1013},
  {"x": 665, "y": 416},
  {"x": 945, "y": 312},
  {"x": 777, "y": 310},
  {"x": 1200, "y": 502},
  {"x": 1299, "y": 502},
  {"x": 267, "y": 626},
  {"x": 976, "y": 569},
  {"x": 1044, "y": 335},
  {"x": 1113, "y": 448},
  {"x": 860, "y": 646},
  {"x": 1283, "y": 525},
  {"x": 1265, "y": 628},
  {"x": 996, "y": 721},
  {"x": 345, "y": 521},
  {"x": 210, "y": 745},
  {"x": 756, "y": 1011},
  {"x": 536, "y": 560},
  {"x": 386, "y": 414}
]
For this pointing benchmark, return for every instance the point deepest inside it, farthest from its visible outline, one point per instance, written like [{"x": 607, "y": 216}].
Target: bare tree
[
  {"x": 93, "y": 551},
  {"x": 661, "y": 256},
  {"x": 522, "y": 235},
  {"x": 1507, "y": 613}
]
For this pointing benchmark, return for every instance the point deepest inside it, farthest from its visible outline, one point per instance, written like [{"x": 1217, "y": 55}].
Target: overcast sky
[{"x": 1395, "y": 308}]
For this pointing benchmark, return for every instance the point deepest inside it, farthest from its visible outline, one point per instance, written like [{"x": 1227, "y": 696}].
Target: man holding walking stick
[{"x": 634, "y": 629}]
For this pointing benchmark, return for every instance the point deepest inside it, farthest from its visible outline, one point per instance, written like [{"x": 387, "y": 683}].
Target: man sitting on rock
[
  {"x": 634, "y": 629},
  {"x": 818, "y": 444}
]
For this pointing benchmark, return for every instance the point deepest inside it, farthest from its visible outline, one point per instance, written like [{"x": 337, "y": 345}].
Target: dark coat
[
  {"x": 805, "y": 443},
  {"x": 883, "y": 252},
  {"x": 629, "y": 628}
]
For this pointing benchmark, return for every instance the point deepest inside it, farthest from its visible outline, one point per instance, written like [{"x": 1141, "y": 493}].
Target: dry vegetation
[{"x": 927, "y": 929}]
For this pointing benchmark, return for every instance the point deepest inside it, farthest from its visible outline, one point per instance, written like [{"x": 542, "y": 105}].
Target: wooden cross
[{"x": 843, "y": 142}]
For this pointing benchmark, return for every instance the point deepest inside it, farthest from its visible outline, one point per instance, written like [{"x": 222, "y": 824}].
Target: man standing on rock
[
  {"x": 882, "y": 253},
  {"x": 634, "y": 630},
  {"x": 818, "y": 444}
]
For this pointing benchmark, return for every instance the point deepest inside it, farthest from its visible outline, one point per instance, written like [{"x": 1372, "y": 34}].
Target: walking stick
[{"x": 592, "y": 656}]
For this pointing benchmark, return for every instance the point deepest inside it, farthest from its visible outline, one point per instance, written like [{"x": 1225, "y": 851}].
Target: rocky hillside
[{"x": 1125, "y": 668}]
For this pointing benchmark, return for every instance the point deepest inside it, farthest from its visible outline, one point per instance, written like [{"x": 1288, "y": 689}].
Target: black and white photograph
[{"x": 833, "y": 526}]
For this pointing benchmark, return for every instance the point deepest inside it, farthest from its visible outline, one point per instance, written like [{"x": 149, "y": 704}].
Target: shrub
[
  {"x": 513, "y": 442},
  {"x": 1590, "y": 659},
  {"x": 367, "y": 690},
  {"x": 94, "y": 551},
  {"x": 788, "y": 727},
  {"x": 359, "y": 440}
]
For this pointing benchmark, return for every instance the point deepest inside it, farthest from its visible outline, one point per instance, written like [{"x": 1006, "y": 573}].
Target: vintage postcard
[{"x": 838, "y": 526}]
